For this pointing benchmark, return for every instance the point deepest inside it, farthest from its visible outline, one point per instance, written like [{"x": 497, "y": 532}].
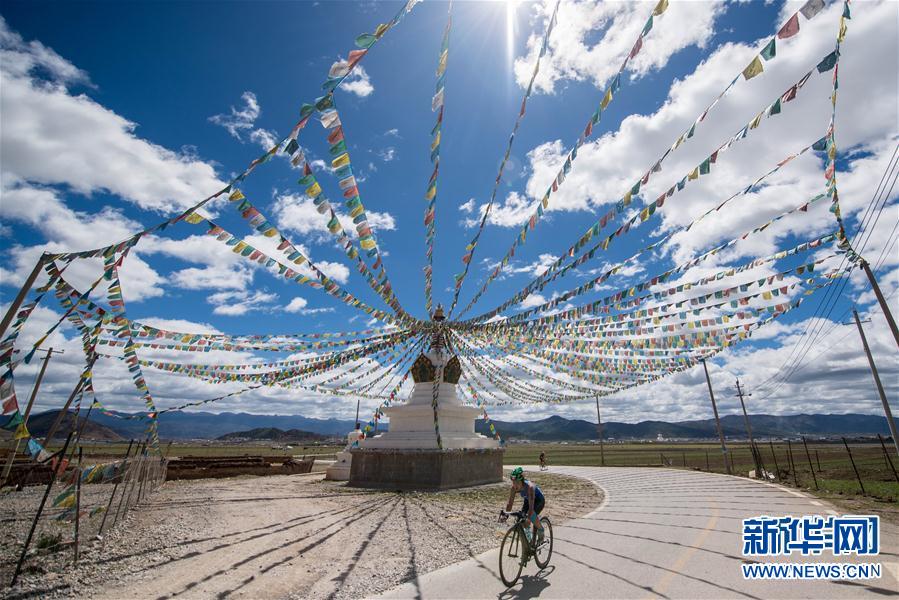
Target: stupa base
[
  {"x": 400, "y": 469},
  {"x": 340, "y": 470}
]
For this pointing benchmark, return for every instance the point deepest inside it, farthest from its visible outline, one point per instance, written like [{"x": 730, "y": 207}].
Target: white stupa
[
  {"x": 409, "y": 455},
  {"x": 412, "y": 423},
  {"x": 339, "y": 470}
]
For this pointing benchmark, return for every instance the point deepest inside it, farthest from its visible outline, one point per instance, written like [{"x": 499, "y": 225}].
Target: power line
[{"x": 829, "y": 301}]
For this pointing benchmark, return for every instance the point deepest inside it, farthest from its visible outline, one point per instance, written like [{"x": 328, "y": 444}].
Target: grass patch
[{"x": 48, "y": 542}]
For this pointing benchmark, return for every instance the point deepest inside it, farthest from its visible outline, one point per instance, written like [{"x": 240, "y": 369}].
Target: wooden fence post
[
  {"x": 78, "y": 500},
  {"x": 854, "y": 468},
  {"x": 810, "y": 467},
  {"x": 40, "y": 509},
  {"x": 774, "y": 454},
  {"x": 886, "y": 455},
  {"x": 129, "y": 478},
  {"x": 115, "y": 487},
  {"x": 792, "y": 463}
]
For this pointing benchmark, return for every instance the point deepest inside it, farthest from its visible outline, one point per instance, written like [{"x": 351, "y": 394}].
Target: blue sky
[{"x": 115, "y": 115}]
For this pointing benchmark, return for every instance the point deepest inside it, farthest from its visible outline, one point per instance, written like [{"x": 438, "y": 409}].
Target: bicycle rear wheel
[
  {"x": 545, "y": 549},
  {"x": 510, "y": 554}
]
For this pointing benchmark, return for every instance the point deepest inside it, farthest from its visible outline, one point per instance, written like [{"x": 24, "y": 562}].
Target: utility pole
[
  {"x": 602, "y": 454},
  {"x": 65, "y": 409},
  {"x": 37, "y": 384},
  {"x": 883, "y": 396},
  {"x": 14, "y": 307},
  {"x": 717, "y": 420},
  {"x": 883, "y": 305},
  {"x": 758, "y": 466}
]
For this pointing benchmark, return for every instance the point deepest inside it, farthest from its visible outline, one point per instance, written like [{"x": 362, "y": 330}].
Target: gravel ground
[{"x": 288, "y": 536}]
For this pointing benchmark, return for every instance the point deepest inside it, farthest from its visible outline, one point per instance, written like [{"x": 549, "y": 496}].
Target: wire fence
[
  {"x": 847, "y": 467},
  {"x": 51, "y": 512}
]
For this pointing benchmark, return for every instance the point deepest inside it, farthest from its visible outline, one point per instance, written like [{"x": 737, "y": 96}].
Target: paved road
[{"x": 660, "y": 533}]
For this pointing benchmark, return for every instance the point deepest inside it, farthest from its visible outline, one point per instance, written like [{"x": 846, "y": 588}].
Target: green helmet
[{"x": 517, "y": 473}]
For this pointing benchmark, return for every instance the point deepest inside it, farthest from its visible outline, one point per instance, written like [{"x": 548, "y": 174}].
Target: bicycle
[{"x": 516, "y": 549}]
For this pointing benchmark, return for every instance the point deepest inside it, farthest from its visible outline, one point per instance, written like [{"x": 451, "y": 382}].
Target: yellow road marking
[{"x": 686, "y": 554}]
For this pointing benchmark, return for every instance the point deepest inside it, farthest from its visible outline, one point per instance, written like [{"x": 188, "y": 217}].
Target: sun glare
[{"x": 511, "y": 6}]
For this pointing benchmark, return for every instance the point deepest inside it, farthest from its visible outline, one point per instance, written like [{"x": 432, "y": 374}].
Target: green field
[
  {"x": 824, "y": 470},
  {"x": 106, "y": 451},
  {"x": 830, "y": 464}
]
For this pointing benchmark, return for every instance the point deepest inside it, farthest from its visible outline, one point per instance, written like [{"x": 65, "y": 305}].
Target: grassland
[
  {"x": 108, "y": 450},
  {"x": 825, "y": 470}
]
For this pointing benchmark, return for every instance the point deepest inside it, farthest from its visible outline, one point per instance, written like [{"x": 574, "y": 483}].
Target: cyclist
[
  {"x": 542, "y": 460},
  {"x": 533, "y": 501}
]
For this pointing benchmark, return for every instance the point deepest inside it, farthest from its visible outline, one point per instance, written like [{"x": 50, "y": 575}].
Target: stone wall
[{"x": 394, "y": 469}]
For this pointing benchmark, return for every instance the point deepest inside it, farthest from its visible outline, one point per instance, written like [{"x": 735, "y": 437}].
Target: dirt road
[{"x": 290, "y": 537}]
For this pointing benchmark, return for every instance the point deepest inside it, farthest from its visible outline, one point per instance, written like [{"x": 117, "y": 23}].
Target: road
[{"x": 660, "y": 533}]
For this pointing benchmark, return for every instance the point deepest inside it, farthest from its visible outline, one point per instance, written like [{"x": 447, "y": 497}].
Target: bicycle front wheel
[
  {"x": 510, "y": 556},
  {"x": 545, "y": 549}
]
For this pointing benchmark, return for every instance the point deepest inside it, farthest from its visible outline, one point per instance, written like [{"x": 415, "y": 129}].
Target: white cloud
[
  {"x": 358, "y": 83},
  {"x": 538, "y": 267},
  {"x": 241, "y": 119},
  {"x": 514, "y": 211},
  {"x": 221, "y": 270},
  {"x": 238, "y": 303},
  {"x": 336, "y": 271},
  {"x": 392, "y": 133},
  {"x": 67, "y": 229},
  {"x": 868, "y": 99},
  {"x": 43, "y": 209},
  {"x": 298, "y": 305},
  {"x": 318, "y": 164},
  {"x": 139, "y": 280},
  {"x": 571, "y": 56},
  {"x": 532, "y": 301},
  {"x": 21, "y": 59},
  {"x": 298, "y": 213},
  {"x": 535, "y": 268},
  {"x": 265, "y": 138},
  {"x": 867, "y": 96},
  {"x": 53, "y": 137},
  {"x": 387, "y": 154},
  {"x": 212, "y": 277},
  {"x": 467, "y": 207},
  {"x": 180, "y": 325}
]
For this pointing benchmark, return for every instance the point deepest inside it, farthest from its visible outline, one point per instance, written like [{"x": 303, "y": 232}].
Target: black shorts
[{"x": 538, "y": 505}]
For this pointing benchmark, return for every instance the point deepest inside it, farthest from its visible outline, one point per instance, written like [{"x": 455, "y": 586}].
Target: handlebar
[{"x": 518, "y": 514}]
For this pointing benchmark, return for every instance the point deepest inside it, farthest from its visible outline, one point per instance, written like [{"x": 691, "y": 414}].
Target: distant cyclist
[
  {"x": 542, "y": 460},
  {"x": 533, "y": 501}
]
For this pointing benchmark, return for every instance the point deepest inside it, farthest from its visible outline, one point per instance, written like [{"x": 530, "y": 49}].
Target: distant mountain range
[
  {"x": 39, "y": 425},
  {"x": 274, "y": 434},
  {"x": 204, "y": 425},
  {"x": 562, "y": 429},
  {"x": 207, "y": 426}
]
